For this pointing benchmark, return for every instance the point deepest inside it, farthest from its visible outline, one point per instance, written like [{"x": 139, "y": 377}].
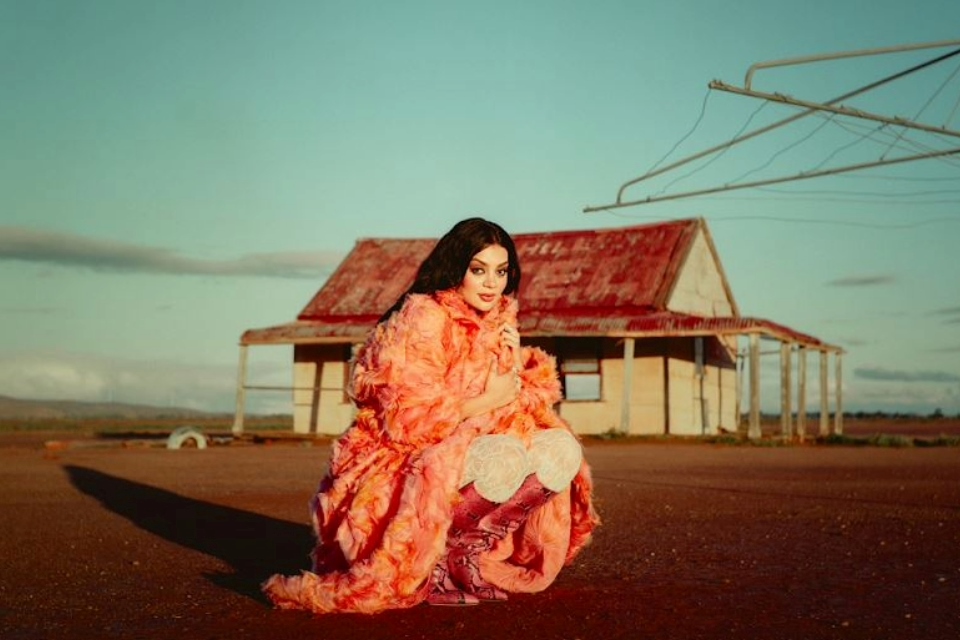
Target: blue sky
[{"x": 173, "y": 173}]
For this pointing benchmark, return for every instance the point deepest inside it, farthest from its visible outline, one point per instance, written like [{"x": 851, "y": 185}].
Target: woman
[{"x": 457, "y": 482}]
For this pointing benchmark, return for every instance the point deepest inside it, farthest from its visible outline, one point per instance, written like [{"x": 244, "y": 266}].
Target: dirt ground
[{"x": 698, "y": 541}]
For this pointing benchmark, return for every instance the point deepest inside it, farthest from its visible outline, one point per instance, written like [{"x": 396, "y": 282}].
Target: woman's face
[{"x": 486, "y": 278}]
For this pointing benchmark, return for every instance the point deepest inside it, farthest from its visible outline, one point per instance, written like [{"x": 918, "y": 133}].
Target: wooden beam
[
  {"x": 838, "y": 383},
  {"x": 753, "y": 429},
  {"x": 786, "y": 401},
  {"x": 241, "y": 392},
  {"x": 824, "y": 396},
  {"x": 802, "y": 393},
  {"x": 628, "y": 350},
  {"x": 701, "y": 371},
  {"x": 738, "y": 384}
]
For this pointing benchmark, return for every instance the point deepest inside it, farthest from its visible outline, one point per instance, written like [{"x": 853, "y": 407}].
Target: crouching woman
[{"x": 457, "y": 482}]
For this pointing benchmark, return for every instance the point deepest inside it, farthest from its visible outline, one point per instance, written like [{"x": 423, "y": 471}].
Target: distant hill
[{"x": 22, "y": 409}]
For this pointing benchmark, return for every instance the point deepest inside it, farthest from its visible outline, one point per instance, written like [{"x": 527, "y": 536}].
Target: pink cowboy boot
[
  {"x": 465, "y": 548},
  {"x": 466, "y": 516}
]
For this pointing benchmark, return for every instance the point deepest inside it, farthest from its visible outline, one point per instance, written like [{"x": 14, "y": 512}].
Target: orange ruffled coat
[{"x": 383, "y": 509}]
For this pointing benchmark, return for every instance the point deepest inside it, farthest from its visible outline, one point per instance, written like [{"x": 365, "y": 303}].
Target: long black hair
[{"x": 450, "y": 258}]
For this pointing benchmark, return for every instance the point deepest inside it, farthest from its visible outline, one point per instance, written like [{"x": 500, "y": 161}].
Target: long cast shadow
[{"x": 254, "y": 545}]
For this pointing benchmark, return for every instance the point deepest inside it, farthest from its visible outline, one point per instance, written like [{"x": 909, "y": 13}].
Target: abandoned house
[{"x": 641, "y": 319}]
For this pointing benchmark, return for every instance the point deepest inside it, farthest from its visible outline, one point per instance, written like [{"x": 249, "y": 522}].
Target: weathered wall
[
  {"x": 646, "y": 404},
  {"x": 320, "y": 404},
  {"x": 664, "y": 379},
  {"x": 699, "y": 288}
]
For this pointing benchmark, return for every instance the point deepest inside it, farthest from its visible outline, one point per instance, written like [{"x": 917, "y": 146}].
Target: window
[{"x": 580, "y": 369}]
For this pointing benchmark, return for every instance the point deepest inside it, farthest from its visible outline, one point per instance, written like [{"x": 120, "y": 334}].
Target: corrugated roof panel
[
  {"x": 601, "y": 268},
  {"x": 652, "y": 325},
  {"x": 370, "y": 278},
  {"x": 608, "y": 268},
  {"x": 610, "y": 282}
]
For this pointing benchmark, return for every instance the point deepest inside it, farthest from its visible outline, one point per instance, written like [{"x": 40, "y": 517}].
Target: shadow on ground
[{"x": 254, "y": 545}]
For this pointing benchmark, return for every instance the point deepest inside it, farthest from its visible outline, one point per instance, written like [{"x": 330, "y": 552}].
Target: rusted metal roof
[
  {"x": 606, "y": 269},
  {"x": 607, "y": 282},
  {"x": 665, "y": 324},
  {"x": 661, "y": 324},
  {"x": 369, "y": 280}
]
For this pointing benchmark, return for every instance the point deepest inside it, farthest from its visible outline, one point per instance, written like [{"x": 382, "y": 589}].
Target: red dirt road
[{"x": 698, "y": 541}]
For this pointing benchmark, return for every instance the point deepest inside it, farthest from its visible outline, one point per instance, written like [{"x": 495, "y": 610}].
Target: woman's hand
[
  {"x": 500, "y": 389},
  {"x": 510, "y": 339}
]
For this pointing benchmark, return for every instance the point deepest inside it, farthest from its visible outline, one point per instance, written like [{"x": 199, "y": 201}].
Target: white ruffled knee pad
[
  {"x": 555, "y": 456},
  {"x": 498, "y": 464}
]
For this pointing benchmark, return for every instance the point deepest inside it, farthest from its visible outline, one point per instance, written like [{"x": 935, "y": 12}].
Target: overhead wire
[
  {"x": 910, "y": 143},
  {"x": 783, "y": 219},
  {"x": 716, "y": 156},
  {"x": 782, "y": 151},
  {"x": 925, "y": 105},
  {"x": 860, "y": 139},
  {"x": 898, "y": 140},
  {"x": 703, "y": 110},
  {"x": 720, "y": 150},
  {"x": 953, "y": 112}
]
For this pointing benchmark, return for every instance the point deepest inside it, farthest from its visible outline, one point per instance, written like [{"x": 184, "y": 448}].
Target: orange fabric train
[{"x": 382, "y": 511}]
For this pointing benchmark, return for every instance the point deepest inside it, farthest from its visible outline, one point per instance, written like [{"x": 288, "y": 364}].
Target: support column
[
  {"x": 753, "y": 429},
  {"x": 838, "y": 384},
  {"x": 241, "y": 392},
  {"x": 628, "y": 349},
  {"x": 699, "y": 359},
  {"x": 738, "y": 395},
  {"x": 802, "y": 393},
  {"x": 786, "y": 387},
  {"x": 824, "y": 397}
]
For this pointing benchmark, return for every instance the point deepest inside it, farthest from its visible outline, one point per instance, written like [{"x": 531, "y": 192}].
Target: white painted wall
[{"x": 699, "y": 289}]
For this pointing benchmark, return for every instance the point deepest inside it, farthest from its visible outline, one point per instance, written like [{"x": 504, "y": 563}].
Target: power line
[
  {"x": 714, "y": 220},
  {"x": 809, "y": 109}
]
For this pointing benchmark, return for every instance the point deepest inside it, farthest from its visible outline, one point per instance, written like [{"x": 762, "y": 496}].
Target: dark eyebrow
[{"x": 502, "y": 265}]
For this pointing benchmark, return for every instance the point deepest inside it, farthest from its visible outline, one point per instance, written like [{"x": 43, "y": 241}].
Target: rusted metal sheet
[
  {"x": 607, "y": 282},
  {"x": 370, "y": 278},
  {"x": 660, "y": 324},
  {"x": 596, "y": 269},
  {"x": 333, "y": 330},
  {"x": 602, "y": 269}
]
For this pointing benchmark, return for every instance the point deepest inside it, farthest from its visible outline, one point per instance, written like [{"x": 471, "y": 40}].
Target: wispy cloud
[
  {"x": 952, "y": 314},
  {"x": 30, "y": 311},
  {"x": 69, "y": 250},
  {"x": 946, "y": 311},
  {"x": 888, "y": 375},
  {"x": 862, "y": 281},
  {"x": 93, "y": 378}
]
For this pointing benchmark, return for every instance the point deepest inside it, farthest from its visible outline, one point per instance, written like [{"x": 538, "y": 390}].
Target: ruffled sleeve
[
  {"x": 540, "y": 387},
  {"x": 401, "y": 374}
]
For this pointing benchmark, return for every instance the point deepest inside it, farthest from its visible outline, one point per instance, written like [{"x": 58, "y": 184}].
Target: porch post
[
  {"x": 802, "y": 393},
  {"x": 838, "y": 384},
  {"x": 628, "y": 347},
  {"x": 786, "y": 386},
  {"x": 753, "y": 430},
  {"x": 824, "y": 396},
  {"x": 241, "y": 392},
  {"x": 737, "y": 396}
]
